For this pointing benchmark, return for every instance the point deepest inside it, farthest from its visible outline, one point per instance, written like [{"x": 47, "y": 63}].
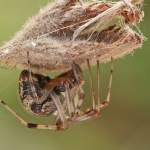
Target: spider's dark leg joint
[
  {"x": 2, "y": 102},
  {"x": 32, "y": 126},
  {"x": 87, "y": 114},
  {"x": 60, "y": 127},
  {"x": 105, "y": 103},
  {"x": 82, "y": 96},
  {"x": 93, "y": 112}
]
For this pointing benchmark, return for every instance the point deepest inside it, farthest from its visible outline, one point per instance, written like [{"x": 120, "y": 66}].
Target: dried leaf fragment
[{"x": 66, "y": 28}]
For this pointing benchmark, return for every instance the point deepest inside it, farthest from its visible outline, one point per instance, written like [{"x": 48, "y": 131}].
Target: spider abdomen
[{"x": 45, "y": 108}]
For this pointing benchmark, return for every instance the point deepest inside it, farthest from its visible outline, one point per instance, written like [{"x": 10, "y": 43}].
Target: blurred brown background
[{"x": 123, "y": 125}]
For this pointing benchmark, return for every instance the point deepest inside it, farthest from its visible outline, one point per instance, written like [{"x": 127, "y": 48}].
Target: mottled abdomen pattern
[{"x": 26, "y": 94}]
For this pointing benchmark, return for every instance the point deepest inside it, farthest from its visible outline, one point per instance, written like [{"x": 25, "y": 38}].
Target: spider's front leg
[
  {"x": 36, "y": 98},
  {"x": 39, "y": 95},
  {"x": 32, "y": 125}
]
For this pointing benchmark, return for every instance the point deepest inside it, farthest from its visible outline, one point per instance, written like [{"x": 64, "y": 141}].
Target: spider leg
[
  {"x": 91, "y": 82},
  {"x": 31, "y": 125},
  {"x": 106, "y": 102},
  {"x": 90, "y": 113},
  {"x": 92, "y": 88},
  {"x": 77, "y": 69},
  {"x": 80, "y": 101},
  {"x": 68, "y": 99},
  {"x": 85, "y": 115},
  {"x": 60, "y": 109},
  {"x": 98, "y": 83},
  {"x": 73, "y": 92},
  {"x": 31, "y": 81},
  {"x": 76, "y": 100},
  {"x": 45, "y": 95}
]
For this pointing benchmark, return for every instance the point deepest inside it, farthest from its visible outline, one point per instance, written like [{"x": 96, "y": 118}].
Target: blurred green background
[{"x": 123, "y": 125}]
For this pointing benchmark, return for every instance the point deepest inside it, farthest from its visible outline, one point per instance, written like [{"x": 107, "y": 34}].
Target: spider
[{"x": 42, "y": 96}]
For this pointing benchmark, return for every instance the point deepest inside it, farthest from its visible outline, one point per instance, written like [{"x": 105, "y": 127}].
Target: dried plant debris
[{"x": 68, "y": 30}]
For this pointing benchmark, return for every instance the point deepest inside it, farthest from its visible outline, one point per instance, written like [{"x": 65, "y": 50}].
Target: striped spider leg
[
  {"x": 41, "y": 96},
  {"x": 95, "y": 110}
]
